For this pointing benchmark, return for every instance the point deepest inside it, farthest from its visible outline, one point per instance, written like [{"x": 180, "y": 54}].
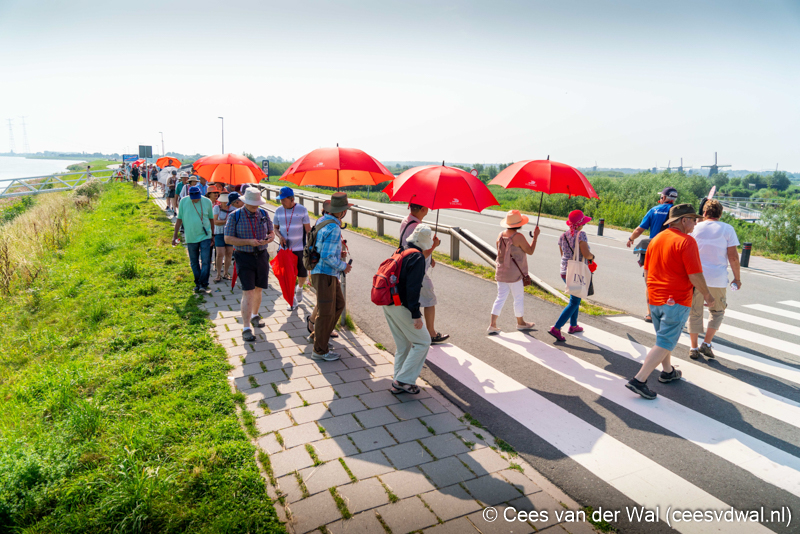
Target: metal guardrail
[
  {"x": 458, "y": 236},
  {"x": 49, "y": 183}
]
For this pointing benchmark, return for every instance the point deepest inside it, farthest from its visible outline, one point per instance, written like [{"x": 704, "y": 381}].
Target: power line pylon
[
  {"x": 25, "y": 148},
  {"x": 11, "y": 145}
]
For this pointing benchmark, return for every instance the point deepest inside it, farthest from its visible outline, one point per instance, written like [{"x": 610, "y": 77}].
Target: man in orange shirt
[{"x": 672, "y": 269}]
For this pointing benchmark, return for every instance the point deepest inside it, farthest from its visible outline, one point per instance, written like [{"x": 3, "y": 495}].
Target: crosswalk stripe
[
  {"x": 770, "y": 367},
  {"x": 792, "y": 303},
  {"x": 762, "y": 401},
  {"x": 768, "y": 323},
  {"x": 774, "y": 311},
  {"x": 765, "y": 461},
  {"x": 761, "y": 339},
  {"x": 620, "y": 466}
]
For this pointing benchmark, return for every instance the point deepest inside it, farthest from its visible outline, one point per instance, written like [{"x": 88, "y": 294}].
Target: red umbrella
[
  {"x": 284, "y": 267},
  {"x": 137, "y": 163},
  {"x": 545, "y": 176},
  {"x": 337, "y": 167},
  {"x": 439, "y": 186},
  {"x": 228, "y": 169}
]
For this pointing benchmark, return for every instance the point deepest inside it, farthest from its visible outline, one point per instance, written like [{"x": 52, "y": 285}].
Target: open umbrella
[
  {"x": 439, "y": 186},
  {"x": 284, "y": 267},
  {"x": 229, "y": 169},
  {"x": 337, "y": 167},
  {"x": 547, "y": 177},
  {"x": 168, "y": 161},
  {"x": 165, "y": 173},
  {"x": 137, "y": 163}
]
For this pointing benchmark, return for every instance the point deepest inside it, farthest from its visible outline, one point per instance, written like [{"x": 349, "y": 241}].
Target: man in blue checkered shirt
[{"x": 325, "y": 276}]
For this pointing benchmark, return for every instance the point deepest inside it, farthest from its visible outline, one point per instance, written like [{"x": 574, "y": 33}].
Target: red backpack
[{"x": 384, "y": 283}]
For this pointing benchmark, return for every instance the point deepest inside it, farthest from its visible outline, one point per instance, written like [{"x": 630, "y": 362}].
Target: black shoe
[
  {"x": 248, "y": 335},
  {"x": 694, "y": 354},
  {"x": 706, "y": 351},
  {"x": 640, "y": 388},
  {"x": 669, "y": 377},
  {"x": 257, "y": 321},
  {"x": 440, "y": 338}
]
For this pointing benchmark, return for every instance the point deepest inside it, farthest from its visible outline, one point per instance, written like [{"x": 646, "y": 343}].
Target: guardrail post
[
  {"x": 745, "y": 261},
  {"x": 600, "y": 227},
  {"x": 380, "y": 225},
  {"x": 269, "y": 192},
  {"x": 455, "y": 245},
  {"x": 316, "y": 208},
  {"x": 354, "y": 218},
  {"x": 302, "y": 200}
]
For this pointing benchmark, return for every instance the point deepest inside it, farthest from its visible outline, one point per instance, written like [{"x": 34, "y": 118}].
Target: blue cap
[
  {"x": 233, "y": 197},
  {"x": 194, "y": 192},
  {"x": 286, "y": 192}
]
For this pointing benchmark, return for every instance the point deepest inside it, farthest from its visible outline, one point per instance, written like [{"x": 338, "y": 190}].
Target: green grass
[
  {"x": 97, "y": 165},
  {"x": 117, "y": 413}
]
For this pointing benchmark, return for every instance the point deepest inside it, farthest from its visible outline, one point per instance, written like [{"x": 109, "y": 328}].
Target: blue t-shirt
[{"x": 655, "y": 218}]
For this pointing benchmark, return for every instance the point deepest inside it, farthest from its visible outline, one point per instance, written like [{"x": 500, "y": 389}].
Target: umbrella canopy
[
  {"x": 439, "y": 186},
  {"x": 229, "y": 169},
  {"x": 165, "y": 173},
  {"x": 337, "y": 167},
  {"x": 137, "y": 163},
  {"x": 545, "y": 176},
  {"x": 284, "y": 267},
  {"x": 168, "y": 161}
]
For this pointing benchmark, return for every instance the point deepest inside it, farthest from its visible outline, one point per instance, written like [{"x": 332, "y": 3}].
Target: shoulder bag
[{"x": 579, "y": 277}]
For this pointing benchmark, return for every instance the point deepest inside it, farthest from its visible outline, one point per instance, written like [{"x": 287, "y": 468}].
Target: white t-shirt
[
  {"x": 222, "y": 215},
  {"x": 291, "y": 224},
  {"x": 713, "y": 239}
]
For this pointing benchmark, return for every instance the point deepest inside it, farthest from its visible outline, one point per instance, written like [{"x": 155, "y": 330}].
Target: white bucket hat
[
  {"x": 253, "y": 197},
  {"x": 223, "y": 198},
  {"x": 422, "y": 236}
]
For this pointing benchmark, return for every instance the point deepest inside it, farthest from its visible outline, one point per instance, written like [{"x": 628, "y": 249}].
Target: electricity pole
[
  {"x": 162, "y": 144},
  {"x": 223, "y": 133}
]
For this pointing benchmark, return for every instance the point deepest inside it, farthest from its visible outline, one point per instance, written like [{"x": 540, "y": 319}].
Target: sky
[{"x": 622, "y": 83}]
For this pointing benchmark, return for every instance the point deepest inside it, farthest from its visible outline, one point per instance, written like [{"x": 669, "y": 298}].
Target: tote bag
[{"x": 579, "y": 277}]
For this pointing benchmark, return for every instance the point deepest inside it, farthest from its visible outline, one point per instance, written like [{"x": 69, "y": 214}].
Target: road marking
[
  {"x": 774, "y": 311},
  {"x": 761, "y": 339},
  {"x": 767, "y": 366},
  {"x": 768, "y": 323},
  {"x": 613, "y": 462},
  {"x": 765, "y": 461},
  {"x": 762, "y": 401},
  {"x": 790, "y": 303}
]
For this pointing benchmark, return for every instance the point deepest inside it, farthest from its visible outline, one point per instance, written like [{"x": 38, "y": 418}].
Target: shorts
[
  {"x": 171, "y": 193},
  {"x": 219, "y": 241},
  {"x": 302, "y": 272},
  {"x": 252, "y": 269},
  {"x": 717, "y": 311},
  {"x": 668, "y": 322},
  {"x": 427, "y": 298}
]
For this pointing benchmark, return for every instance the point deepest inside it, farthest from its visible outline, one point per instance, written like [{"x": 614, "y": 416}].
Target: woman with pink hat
[
  {"x": 512, "y": 266},
  {"x": 574, "y": 237}
]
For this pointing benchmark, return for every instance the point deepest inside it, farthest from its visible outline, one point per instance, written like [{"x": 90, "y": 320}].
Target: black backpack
[{"x": 310, "y": 254}]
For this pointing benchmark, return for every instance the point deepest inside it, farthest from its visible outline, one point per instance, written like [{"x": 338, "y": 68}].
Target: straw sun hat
[{"x": 514, "y": 219}]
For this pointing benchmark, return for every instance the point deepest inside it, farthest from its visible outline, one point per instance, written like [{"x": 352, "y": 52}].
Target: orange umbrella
[
  {"x": 337, "y": 167},
  {"x": 228, "y": 169},
  {"x": 168, "y": 161}
]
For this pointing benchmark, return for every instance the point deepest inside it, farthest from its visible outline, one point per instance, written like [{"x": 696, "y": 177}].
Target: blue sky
[{"x": 629, "y": 83}]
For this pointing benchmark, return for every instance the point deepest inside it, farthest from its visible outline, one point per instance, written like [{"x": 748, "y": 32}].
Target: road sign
[
  {"x": 145, "y": 151},
  {"x": 265, "y": 166},
  {"x": 129, "y": 158}
]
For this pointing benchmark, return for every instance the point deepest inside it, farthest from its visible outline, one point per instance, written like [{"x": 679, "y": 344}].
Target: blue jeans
[
  {"x": 570, "y": 312},
  {"x": 200, "y": 260}
]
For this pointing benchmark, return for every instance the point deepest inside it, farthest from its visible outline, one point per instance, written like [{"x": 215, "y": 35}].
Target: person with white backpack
[{"x": 574, "y": 247}]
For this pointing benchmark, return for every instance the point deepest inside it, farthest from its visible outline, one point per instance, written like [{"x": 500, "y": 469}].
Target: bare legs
[{"x": 657, "y": 355}]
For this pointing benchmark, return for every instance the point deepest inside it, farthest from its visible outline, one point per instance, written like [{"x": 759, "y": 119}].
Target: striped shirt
[{"x": 245, "y": 225}]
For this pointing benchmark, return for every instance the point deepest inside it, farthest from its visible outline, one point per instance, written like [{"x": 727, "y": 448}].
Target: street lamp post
[
  {"x": 162, "y": 143},
  {"x": 223, "y": 133}
]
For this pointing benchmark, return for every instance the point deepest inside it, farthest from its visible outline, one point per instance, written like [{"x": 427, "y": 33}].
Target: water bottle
[
  {"x": 670, "y": 301},
  {"x": 734, "y": 286}
]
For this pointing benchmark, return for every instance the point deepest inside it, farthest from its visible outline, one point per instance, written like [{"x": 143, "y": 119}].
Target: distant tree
[
  {"x": 492, "y": 171},
  {"x": 779, "y": 180},
  {"x": 735, "y": 182},
  {"x": 720, "y": 179},
  {"x": 249, "y": 156},
  {"x": 478, "y": 167}
]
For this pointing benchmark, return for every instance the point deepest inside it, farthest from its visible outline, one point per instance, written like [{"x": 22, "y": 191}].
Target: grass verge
[{"x": 117, "y": 413}]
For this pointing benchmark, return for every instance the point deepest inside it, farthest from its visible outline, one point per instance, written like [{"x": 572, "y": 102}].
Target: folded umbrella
[{"x": 284, "y": 267}]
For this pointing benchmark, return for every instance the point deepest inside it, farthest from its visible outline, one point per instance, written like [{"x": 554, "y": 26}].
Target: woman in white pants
[{"x": 512, "y": 263}]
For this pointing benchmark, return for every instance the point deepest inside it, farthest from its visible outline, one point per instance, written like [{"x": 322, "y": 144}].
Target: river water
[{"x": 11, "y": 167}]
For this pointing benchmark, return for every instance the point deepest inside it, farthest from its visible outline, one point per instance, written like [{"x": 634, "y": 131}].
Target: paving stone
[
  {"x": 300, "y": 371},
  {"x": 355, "y": 363},
  {"x": 456, "y": 526},
  {"x": 485, "y": 439},
  {"x": 263, "y": 356},
  {"x": 443, "y": 422},
  {"x": 423, "y": 394},
  {"x": 409, "y": 410},
  {"x": 434, "y": 405},
  {"x": 330, "y": 367},
  {"x": 520, "y": 481},
  {"x": 243, "y": 384},
  {"x": 539, "y": 502},
  {"x": 300, "y": 434},
  {"x": 376, "y": 417},
  {"x": 313, "y": 512},
  {"x": 492, "y": 489},
  {"x": 306, "y": 414},
  {"x": 278, "y": 363},
  {"x": 383, "y": 370},
  {"x": 270, "y": 423},
  {"x": 407, "y": 482},
  {"x": 333, "y": 448},
  {"x": 269, "y": 444},
  {"x": 407, "y": 455},
  {"x": 444, "y": 445},
  {"x": 283, "y": 402},
  {"x": 378, "y": 399},
  {"x": 290, "y": 460},
  {"x": 351, "y": 388},
  {"x": 500, "y": 525},
  {"x": 447, "y": 472},
  {"x": 323, "y": 394},
  {"x": 290, "y": 487},
  {"x": 451, "y": 502},
  {"x": 368, "y": 464},
  {"x": 407, "y": 515},
  {"x": 260, "y": 393},
  {"x": 345, "y": 406},
  {"x": 294, "y": 385},
  {"x": 353, "y": 375},
  {"x": 363, "y": 523},
  {"x": 363, "y": 495},
  {"x": 251, "y": 369},
  {"x": 322, "y": 477},
  {"x": 371, "y": 439},
  {"x": 343, "y": 424},
  {"x": 378, "y": 384},
  {"x": 265, "y": 379},
  {"x": 484, "y": 461},
  {"x": 328, "y": 379},
  {"x": 408, "y": 430}
]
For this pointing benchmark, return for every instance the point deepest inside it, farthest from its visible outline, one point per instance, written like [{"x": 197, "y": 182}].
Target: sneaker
[
  {"x": 290, "y": 308},
  {"x": 641, "y": 389},
  {"x": 248, "y": 335},
  {"x": 298, "y": 297},
  {"x": 556, "y": 333},
  {"x": 197, "y": 289},
  {"x": 492, "y": 330},
  {"x": 329, "y": 356},
  {"x": 706, "y": 351},
  {"x": 694, "y": 354},
  {"x": 575, "y": 329},
  {"x": 665, "y": 377},
  {"x": 205, "y": 289}
]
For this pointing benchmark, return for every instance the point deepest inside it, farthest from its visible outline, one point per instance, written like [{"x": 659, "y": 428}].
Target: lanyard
[
  {"x": 252, "y": 224},
  {"x": 291, "y": 218},
  {"x": 200, "y": 216}
]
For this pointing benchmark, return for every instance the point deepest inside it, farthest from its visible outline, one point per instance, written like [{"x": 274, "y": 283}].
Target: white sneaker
[{"x": 298, "y": 297}]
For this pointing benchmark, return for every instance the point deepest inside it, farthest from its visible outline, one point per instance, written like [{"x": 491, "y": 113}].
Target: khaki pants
[
  {"x": 717, "y": 310},
  {"x": 330, "y": 305},
  {"x": 412, "y": 344}
]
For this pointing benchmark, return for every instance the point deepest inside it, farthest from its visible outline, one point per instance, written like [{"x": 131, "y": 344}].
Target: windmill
[
  {"x": 594, "y": 169},
  {"x": 667, "y": 168},
  {"x": 682, "y": 168},
  {"x": 714, "y": 169}
]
